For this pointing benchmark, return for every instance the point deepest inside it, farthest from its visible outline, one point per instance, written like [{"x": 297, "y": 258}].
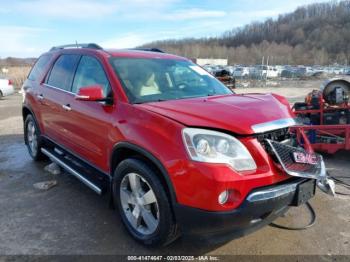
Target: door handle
[
  {"x": 40, "y": 97},
  {"x": 67, "y": 107}
]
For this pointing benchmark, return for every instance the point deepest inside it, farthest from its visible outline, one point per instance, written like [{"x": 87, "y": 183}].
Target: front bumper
[{"x": 261, "y": 207}]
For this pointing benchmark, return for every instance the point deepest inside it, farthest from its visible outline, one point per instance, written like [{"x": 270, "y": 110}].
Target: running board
[{"x": 72, "y": 171}]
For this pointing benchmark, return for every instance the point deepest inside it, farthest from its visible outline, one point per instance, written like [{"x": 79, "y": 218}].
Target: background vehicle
[
  {"x": 170, "y": 142},
  {"x": 264, "y": 71},
  {"x": 6, "y": 87},
  {"x": 241, "y": 72}
]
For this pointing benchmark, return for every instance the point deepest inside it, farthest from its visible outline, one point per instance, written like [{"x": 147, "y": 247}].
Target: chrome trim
[
  {"x": 81, "y": 97},
  {"x": 58, "y": 151},
  {"x": 274, "y": 192},
  {"x": 67, "y": 107},
  {"x": 57, "y": 88},
  {"x": 72, "y": 171},
  {"x": 273, "y": 125}
]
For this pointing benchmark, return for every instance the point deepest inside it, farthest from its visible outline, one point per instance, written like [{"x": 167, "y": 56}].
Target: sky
[{"x": 31, "y": 27}]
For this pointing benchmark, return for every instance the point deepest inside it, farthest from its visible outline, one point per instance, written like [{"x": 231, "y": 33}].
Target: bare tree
[{"x": 317, "y": 33}]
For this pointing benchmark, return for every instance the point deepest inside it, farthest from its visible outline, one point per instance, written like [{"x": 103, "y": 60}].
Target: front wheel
[{"x": 143, "y": 203}]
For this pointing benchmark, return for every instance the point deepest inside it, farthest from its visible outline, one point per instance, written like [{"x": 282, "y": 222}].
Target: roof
[
  {"x": 141, "y": 54},
  {"x": 134, "y": 52}
]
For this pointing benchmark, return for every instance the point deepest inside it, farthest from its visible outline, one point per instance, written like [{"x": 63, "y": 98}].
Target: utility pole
[
  {"x": 262, "y": 67},
  {"x": 267, "y": 67}
]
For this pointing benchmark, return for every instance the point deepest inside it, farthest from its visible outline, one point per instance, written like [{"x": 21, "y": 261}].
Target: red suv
[{"x": 177, "y": 150}]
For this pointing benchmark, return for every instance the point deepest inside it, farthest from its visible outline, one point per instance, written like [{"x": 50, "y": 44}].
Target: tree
[{"x": 317, "y": 33}]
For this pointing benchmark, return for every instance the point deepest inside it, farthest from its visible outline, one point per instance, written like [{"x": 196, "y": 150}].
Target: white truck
[
  {"x": 241, "y": 72},
  {"x": 264, "y": 71}
]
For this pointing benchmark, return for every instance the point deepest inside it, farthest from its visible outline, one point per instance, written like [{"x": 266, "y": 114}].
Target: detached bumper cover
[
  {"x": 284, "y": 154},
  {"x": 260, "y": 208}
]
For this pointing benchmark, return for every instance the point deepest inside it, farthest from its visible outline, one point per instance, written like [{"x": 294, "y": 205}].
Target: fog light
[{"x": 223, "y": 197}]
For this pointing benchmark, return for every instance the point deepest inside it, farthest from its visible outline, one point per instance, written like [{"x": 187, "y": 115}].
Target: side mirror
[{"x": 90, "y": 93}]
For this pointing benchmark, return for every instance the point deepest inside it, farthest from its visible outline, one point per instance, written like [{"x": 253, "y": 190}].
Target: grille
[
  {"x": 284, "y": 155},
  {"x": 275, "y": 135}
]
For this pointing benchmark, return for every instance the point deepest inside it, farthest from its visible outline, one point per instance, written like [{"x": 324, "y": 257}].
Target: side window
[
  {"x": 90, "y": 72},
  {"x": 39, "y": 67},
  {"x": 62, "y": 72}
]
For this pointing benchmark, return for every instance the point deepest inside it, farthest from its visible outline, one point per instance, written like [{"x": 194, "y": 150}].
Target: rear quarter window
[{"x": 39, "y": 67}]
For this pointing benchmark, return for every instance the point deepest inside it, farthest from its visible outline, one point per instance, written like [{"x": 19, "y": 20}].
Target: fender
[{"x": 152, "y": 158}]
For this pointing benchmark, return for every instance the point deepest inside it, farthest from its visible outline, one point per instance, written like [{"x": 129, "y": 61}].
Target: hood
[{"x": 237, "y": 113}]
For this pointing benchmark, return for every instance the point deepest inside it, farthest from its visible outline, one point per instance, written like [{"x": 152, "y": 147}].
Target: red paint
[{"x": 231, "y": 112}]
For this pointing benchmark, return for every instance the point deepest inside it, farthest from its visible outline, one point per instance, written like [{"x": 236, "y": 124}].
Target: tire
[
  {"x": 1, "y": 95},
  {"x": 152, "y": 224},
  {"x": 32, "y": 138}
]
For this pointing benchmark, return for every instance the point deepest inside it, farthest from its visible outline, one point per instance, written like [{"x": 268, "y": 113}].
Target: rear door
[
  {"x": 57, "y": 98},
  {"x": 90, "y": 123}
]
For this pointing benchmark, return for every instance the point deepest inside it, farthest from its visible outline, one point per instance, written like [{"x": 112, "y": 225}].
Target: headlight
[{"x": 215, "y": 147}]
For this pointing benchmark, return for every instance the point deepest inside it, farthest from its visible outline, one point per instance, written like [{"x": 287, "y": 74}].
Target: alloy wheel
[
  {"x": 32, "y": 138},
  {"x": 139, "y": 204}
]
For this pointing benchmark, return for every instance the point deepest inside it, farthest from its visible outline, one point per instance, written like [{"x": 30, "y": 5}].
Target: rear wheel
[
  {"x": 143, "y": 203},
  {"x": 1, "y": 95},
  {"x": 33, "y": 139}
]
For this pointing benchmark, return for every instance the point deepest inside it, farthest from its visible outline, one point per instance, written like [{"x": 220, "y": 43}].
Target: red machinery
[{"x": 325, "y": 115}]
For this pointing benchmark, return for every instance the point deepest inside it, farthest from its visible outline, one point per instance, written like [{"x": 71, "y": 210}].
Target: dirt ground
[
  {"x": 70, "y": 219},
  {"x": 294, "y": 90}
]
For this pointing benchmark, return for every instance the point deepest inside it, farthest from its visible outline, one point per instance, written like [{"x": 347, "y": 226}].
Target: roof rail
[
  {"x": 89, "y": 45},
  {"x": 152, "y": 49}
]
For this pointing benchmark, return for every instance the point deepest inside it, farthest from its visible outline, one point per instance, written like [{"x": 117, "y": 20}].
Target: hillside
[
  {"x": 313, "y": 34},
  {"x": 12, "y": 61}
]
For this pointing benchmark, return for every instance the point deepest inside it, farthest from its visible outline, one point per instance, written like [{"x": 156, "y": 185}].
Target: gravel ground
[{"x": 69, "y": 219}]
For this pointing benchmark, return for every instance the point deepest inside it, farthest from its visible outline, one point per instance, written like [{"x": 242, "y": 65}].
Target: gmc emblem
[{"x": 305, "y": 158}]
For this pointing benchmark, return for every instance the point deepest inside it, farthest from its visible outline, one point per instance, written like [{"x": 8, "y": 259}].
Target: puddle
[{"x": 13, "y": 156}]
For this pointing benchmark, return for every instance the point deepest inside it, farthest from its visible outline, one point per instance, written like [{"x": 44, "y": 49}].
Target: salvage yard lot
[{"x": 71, "y": 219}]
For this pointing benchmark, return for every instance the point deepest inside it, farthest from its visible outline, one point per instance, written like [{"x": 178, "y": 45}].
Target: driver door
[{"x": 90, "y": 122}]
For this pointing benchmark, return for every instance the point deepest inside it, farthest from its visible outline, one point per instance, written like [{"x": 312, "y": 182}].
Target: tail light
[{"x": 10, "y": 82}]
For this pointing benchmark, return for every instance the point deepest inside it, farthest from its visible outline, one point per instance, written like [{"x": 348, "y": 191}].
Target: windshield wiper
[
  {"x": 150, "y": 101},
  {"x": 156, "y": 100}
]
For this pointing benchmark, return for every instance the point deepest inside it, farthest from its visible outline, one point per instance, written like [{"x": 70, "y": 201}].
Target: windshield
[{"x": 150, "y": 80}]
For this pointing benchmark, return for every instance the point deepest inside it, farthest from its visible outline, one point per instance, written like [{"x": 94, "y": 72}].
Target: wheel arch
[
  {"x": 25, "y": 112},
  {"x": 124, "y": 150}
]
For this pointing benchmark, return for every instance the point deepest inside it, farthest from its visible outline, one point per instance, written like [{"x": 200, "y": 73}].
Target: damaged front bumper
[{"x": 261, "y": 207}]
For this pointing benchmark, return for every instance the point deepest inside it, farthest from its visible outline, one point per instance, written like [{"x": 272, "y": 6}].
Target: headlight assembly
[{"x": 216, "y": 147}]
